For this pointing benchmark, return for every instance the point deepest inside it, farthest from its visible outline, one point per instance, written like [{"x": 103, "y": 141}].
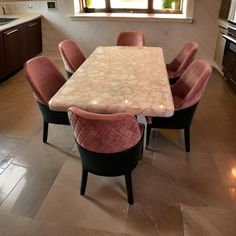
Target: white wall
[{"x": 90, "y": 34}]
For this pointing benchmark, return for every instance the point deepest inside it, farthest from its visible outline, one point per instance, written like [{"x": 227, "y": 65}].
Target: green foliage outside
[
  {"x": 166, "y": 4},
  {"x": 88, "y": 3}
]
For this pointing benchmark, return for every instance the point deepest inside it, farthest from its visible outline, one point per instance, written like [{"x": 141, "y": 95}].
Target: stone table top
[{"x": 119, "y": 79}]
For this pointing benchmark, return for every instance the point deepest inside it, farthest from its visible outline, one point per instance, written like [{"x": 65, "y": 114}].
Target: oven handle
[{"x": 227, "y": 37}]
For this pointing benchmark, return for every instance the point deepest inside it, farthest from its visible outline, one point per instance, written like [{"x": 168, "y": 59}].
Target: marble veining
[{"x": 119, "y": 79}]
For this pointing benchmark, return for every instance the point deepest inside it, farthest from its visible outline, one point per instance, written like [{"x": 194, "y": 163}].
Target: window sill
[{"x": 133, "y": 17}]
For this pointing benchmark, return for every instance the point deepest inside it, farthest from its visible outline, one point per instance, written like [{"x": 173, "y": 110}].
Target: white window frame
[{"x": 185, "y": 16}]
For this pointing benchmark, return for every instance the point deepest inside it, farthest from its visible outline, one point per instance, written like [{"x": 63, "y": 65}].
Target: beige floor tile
[
  {"x": 9, "y": 179},
  {"x": 208, "y": 221},
  {"x": 105, "y": 206},
  {"x": 197, "y": 174},
  {"x": 40, "y": 228},
  {"x": 10, "y": 146},
  {"x": 11, "y": 225}
]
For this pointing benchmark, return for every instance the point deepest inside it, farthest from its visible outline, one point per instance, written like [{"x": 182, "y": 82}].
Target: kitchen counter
[{"x": 22, "y": 18}]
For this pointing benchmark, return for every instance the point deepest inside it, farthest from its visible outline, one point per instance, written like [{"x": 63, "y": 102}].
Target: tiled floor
[{"x": 175, "y": 193}]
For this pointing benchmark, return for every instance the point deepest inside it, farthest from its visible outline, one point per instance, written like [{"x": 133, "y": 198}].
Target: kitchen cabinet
[
  {"x": 34, "y": 37},
  {"x": 24, "y": 43},
  {"x": 3, "y": 68},
  {"x": 12, "y": 49},
  {"x": 19, "y": 44}
]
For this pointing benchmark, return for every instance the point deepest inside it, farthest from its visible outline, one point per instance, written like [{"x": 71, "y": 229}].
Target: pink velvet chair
[
  {"x": 130, "y": 39},
  {"x": 109, "y": 145},
  {"x": 187, "y": 92},
  {"x": 71, "y": 55},
  {"x": 181, "y": 62},
  {"x": 45, "y": 80}
]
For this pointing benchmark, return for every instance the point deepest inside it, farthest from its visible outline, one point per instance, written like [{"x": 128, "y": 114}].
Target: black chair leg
[
  {"x": 83, "y": 182},
  {"x": 128, "y": 182},
  {"x": 148, "y": 135},
  {"x": 187, "y": 138},
  {"x": 45, "y": 132}
]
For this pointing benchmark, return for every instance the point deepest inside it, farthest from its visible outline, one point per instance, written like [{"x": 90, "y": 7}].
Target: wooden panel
[
  {"x": 2, "y": 57},
  {"x": 35, "y": 37},
  {"x": 24, "y": 43},
  {"x": 12, "y": 47}
]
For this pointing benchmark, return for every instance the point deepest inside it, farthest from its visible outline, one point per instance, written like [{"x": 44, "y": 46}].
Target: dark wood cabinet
[
  {"x": 3, "y": 67},
  {"x": 24, "y": 43},
  {"x": 12, "y": 49},
  {"x": 19, "y": 44},
  {"x": 34, "y": 37}
]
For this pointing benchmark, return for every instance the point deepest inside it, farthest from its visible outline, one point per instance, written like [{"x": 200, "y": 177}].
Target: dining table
[{"x": 117, "y": 79}]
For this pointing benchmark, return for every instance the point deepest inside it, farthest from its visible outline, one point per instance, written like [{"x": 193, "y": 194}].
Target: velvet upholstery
[
  {"x": 181, "y": 62},
  {"x": 130, "y": 39},
  {"x": 109, "y": 145},
  {"x": 71, "y": 55},
  {"x": 187, "y": 92},
  {"x": 104, "y": 133},
  {"x": 45, "y": 80}
]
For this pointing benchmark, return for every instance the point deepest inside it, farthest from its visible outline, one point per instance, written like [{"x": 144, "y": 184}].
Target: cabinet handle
[
  {"x": 11, "y": 32},
  {"x": 233, "y": 81},
  {"x": 32, "y": 24}
]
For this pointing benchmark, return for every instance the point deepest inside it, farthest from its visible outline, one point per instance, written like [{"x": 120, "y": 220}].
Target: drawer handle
[
  {"x": 11, "y": 32},
  {"x": 33, "y": 24},
  {"x": 233, "y": 81}
]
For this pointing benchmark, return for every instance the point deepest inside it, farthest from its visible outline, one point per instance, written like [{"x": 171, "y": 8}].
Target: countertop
[
  {"x": 22, "y": 18},
  {"x": 119, "y": 79}
]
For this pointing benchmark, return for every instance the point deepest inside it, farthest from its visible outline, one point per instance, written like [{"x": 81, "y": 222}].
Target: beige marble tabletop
[{"x": 119, "y": 79}]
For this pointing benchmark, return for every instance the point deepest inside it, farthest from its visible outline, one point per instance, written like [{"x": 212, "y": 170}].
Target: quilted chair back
[
  {"x": 130, "y": 39},
  {"x": 181, "y": 62},
  {"x": 100, "y": 133},
  {"x": 188, "y": 90},
  {"x": 44, "y": 78},
  {"x": 71, "y": 55}
]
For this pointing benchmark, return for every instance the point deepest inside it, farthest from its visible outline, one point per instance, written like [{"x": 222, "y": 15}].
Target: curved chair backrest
[
  {"x": 108, "y": 133},
  {"x": 130, "y": 39},
  {"x": 184, "y": 58},
  {"x": 71, "y": 54},
  {"x": 44, "y": 78},
  {"x": 188, "y": 90}
]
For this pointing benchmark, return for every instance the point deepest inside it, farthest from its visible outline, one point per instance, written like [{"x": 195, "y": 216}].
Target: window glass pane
[
  {"x": 131, "y": 4},
  {"x": 95, "y": 3},
  {"x": 167, "y": 4}
]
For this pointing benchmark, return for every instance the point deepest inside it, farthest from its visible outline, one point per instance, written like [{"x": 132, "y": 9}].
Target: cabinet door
[
  {"x": 35, "y": 37},
  {"x": 12, "y": 47},
  {"x": 3, "y": 68},
  {"x": 24, "y": 43}
]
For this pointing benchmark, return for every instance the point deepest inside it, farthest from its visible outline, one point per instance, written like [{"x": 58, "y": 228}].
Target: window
[{"x": 133, "y": 6}]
